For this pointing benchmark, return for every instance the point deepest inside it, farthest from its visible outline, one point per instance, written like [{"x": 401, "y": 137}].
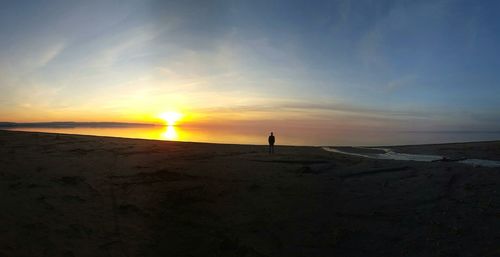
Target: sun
[{"x": 170, "y": 118}]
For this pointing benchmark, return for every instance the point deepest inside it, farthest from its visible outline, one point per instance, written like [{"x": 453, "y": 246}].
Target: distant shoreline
[{"x": 73, "y": 124}]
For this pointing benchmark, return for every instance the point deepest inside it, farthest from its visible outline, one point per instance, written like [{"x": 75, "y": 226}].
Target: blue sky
[{"x": 401, "y": 65}]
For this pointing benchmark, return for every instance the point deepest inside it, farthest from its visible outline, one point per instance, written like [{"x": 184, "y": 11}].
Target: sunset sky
[{"x": 403, "y": 65}]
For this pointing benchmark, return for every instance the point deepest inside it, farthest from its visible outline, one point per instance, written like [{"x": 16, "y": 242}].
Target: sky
[{"x": 378, "y": 65}]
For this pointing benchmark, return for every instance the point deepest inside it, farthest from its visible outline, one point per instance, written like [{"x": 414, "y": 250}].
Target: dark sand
[{"x": 68, "y": 195}]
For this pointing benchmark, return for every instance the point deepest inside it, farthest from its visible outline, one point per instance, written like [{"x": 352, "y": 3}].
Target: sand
[{"x": 69, "y": 195}]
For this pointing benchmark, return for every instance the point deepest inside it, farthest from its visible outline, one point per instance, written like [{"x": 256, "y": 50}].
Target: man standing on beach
[{"x": 271, "y": 143}]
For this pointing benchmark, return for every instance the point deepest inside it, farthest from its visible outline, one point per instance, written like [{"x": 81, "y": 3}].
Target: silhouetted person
[{"x": 271, "y": 143}]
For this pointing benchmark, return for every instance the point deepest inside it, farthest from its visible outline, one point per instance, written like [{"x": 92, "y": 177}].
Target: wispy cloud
[
  {"x": 48, "y": 54},
  {"x": 284, "y": 107}
]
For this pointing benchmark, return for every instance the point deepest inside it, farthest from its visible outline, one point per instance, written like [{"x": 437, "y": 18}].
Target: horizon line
[
  {"x": 59, "y": 124},
  {"x": 67, "y": 124}
]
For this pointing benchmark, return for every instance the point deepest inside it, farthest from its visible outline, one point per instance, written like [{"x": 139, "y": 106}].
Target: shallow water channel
[{"x": 388, "y": 154}]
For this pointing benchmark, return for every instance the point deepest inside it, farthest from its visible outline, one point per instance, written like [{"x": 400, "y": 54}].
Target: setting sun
[{"x": 170, "y": 118}]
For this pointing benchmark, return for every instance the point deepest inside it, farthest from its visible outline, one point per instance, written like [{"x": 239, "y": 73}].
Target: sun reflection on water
[{"x": 170, "y": 133}]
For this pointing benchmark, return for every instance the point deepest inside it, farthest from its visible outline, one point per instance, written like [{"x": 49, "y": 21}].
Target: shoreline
[
  {"x": 399, "y": 146},
  {"x": 137, "y": 138}
]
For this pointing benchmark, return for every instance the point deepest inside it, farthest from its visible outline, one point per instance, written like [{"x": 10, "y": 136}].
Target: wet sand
[
  {"x": 69, "y": 195},
  {"x": 478, "y": 150}
]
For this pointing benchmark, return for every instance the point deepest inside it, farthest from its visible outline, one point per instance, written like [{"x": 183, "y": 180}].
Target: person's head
[{"x": 271, "y": 133}]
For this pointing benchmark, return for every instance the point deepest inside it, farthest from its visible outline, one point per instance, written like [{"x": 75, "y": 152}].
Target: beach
[{"x": 74, "y": 195}]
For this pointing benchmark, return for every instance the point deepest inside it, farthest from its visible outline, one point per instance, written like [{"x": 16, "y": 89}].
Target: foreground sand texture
[{"x": 68, "y": 195}]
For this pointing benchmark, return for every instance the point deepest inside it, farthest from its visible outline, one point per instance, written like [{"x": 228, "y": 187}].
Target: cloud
[
  {"x": 33, "y": 54},
  {"x": 322, "y": 109},
  {"x": 48, "y": 54}
]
